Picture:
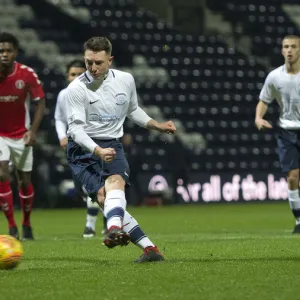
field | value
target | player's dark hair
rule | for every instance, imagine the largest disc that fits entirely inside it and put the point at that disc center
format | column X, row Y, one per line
column 76, row 63
column 97, row 44
column 6, row 37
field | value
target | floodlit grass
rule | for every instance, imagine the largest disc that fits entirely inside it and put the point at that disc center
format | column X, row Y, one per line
column 224, row 251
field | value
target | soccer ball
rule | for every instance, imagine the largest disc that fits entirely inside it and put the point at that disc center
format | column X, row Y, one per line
column 11, row 252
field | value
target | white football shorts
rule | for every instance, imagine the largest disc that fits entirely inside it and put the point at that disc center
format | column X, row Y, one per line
column 15, row 150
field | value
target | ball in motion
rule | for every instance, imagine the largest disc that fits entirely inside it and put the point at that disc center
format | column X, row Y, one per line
column 11, row 252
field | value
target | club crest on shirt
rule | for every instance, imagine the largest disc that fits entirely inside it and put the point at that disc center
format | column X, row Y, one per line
column 20, row 84
column 120, row 99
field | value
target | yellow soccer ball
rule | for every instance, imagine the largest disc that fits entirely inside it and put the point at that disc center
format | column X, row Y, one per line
column 11, row 252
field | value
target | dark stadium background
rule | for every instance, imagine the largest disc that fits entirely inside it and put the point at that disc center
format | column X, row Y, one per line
column 200, row 63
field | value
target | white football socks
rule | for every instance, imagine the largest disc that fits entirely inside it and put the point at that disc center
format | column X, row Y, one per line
column 114, row 208
column 137, row 235
column 92, row 213
column 294, row 201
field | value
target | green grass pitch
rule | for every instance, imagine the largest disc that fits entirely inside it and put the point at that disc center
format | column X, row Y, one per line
column 224, row 251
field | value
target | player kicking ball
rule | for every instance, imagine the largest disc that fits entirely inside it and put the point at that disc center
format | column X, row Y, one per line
column 18, row 85
column 99, row 100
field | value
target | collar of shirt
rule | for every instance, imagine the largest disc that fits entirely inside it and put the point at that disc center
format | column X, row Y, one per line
column 90, row 78
column 290, row 74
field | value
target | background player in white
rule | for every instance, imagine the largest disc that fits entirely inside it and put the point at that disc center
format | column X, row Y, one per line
column 18, row 85
column 283, row 84
column 74, row 69
column 98, row 103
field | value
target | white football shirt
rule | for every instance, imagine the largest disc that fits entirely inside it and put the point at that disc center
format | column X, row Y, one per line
column 285, row 88
column 97, row 109
column 60, row 115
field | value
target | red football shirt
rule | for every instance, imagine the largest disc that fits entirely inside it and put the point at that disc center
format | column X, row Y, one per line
column 15, row 93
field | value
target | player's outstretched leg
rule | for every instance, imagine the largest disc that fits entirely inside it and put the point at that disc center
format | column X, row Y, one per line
column 123, row 228
column 7, row 206
column 26, row 197
column 114, row 210
column 91, row 218
column 139, row 238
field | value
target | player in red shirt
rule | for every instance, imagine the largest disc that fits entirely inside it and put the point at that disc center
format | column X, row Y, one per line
column 18, row 85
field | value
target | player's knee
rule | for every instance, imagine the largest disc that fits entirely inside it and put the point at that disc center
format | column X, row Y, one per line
column 24, row 183
column 114, row 182
column 293, row 177
column 101, row 196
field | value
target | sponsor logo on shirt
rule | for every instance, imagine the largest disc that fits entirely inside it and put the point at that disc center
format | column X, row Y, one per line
column 102, row 118
column 8, row 98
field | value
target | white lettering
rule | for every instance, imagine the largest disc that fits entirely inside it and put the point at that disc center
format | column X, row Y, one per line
column 277, row 189
column 194, row 190
column 181, row 190
column 231, row 191
column 211, row 191
column 261, row 191
column 8, row 98
column 215, row 190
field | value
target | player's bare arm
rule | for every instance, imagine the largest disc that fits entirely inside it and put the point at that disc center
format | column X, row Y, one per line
column 140, row 117
column 63, row 143
column 167, row 127
column 30, row 135
column 261, row 110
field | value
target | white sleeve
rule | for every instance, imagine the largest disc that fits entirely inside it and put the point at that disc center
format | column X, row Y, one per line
column 139, row 117
column 61, row 124
column 76, row 118
column 61, row 129
column 135, row 113
column 267, row 93
column 133, row 104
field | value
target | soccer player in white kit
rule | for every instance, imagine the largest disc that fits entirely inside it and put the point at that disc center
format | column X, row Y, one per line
column 98, row 103
column 283, row 84
column 74, row 69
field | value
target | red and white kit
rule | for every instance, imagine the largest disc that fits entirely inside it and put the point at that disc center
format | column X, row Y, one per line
column 16, row 91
